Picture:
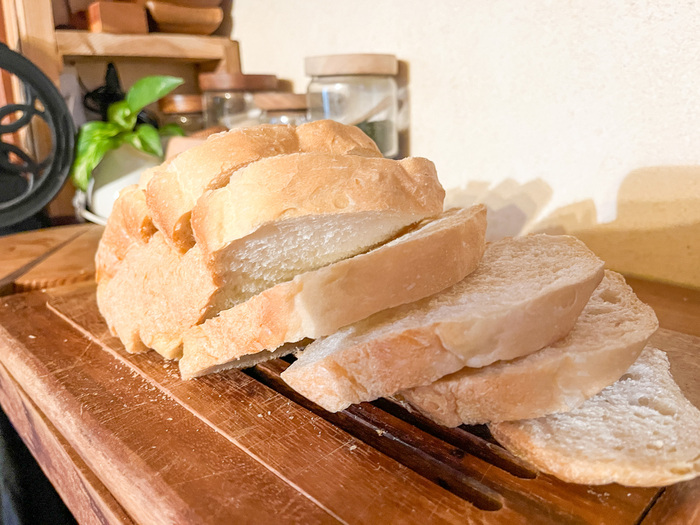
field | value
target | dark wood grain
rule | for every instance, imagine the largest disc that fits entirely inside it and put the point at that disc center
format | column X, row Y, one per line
column 160, row 462
column 73, row 262
column 22, row 248
column 313, row 455
column 539, row 498
column 88, row 499
column 19, row 252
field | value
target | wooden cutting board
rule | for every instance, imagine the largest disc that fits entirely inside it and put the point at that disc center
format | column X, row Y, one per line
column 48, row 258
column 126, row 441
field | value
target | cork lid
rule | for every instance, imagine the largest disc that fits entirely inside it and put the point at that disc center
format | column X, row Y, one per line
column 236, row 82
column 180, row 104
column 357, row 64
column 280, row 101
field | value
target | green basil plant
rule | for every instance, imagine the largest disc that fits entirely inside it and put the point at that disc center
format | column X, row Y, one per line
column 96, row 138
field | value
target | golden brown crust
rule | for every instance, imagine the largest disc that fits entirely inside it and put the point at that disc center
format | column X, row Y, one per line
column 311, row 184
column 174, row 189
column 129, row 224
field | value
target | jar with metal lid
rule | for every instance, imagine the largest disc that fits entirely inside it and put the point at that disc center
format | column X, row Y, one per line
column 183, row 110
column 282, row 108
column 359, row 90
column 228, row 98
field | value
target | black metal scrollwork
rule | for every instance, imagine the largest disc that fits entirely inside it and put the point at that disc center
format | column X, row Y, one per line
column 28, row 184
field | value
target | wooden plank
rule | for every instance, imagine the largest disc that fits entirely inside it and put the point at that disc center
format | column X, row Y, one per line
column 677, row 308
column 36, row 35
column 311, row 454
column 89, row 500
column 160, row 462
column 678, row 505
column 188, row 48
column 73, row 262
column 21, row 249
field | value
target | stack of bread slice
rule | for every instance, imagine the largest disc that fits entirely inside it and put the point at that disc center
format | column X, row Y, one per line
column 269, row 235
column 247, row 246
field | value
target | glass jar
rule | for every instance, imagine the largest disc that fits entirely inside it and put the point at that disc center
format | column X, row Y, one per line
column 358, row 90
column 282, row 108
column 228, row 98
column 183, row 110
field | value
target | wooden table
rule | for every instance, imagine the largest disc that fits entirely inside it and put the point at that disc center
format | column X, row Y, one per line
column 124, row 440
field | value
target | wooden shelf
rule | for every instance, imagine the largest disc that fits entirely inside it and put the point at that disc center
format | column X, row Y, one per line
column 187, row 48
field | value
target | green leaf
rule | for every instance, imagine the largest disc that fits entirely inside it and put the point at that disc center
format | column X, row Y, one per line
column 119, row 114
column 149, row 89
column 171, row 130
column 87, row 160
column 150, row 139
column 133, row 139
column 95, row 131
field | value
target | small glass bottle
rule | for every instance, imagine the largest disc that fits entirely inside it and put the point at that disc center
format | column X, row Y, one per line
column 282, row 108
column 358, row 90
column 228, row 98
column 183, row 110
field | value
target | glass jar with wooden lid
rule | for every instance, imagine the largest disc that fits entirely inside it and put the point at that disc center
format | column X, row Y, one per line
column 282, row 108
column 183, row 110
column 228, row 98
column 359, row 90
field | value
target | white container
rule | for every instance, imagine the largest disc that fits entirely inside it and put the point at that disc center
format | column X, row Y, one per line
column 358, row 90
column 118, row 169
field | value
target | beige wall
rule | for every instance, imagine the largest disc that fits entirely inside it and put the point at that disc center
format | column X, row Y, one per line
column 573, row 95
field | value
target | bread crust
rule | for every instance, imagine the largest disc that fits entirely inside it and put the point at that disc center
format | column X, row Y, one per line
column 174, row 188
column 554, row 379
column 286, row 187
column 129, row 224
column 316, row 303
column 385, row 354
column 155, row 296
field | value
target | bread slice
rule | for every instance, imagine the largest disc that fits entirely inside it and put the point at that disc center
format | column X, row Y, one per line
column 156, row 294
column 640, row 431
column 173, row 190
column 290, row 214
column 525, row 294
column 435, row 255
column 129, row 224
column 607, row 338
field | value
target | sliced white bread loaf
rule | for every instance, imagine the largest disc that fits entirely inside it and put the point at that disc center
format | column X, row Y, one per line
column 641, row 431
column 607, row 338
column 290, row 214
column 129, row 224
column 173, row 190
column 435, row 255
column 525, row 294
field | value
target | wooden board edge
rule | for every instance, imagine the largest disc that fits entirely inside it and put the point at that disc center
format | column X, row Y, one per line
column 80, row 489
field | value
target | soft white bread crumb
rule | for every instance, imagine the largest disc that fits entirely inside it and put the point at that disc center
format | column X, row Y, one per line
column 525, row 294
column 640, row 431
column 436, row 254
column 607, row 338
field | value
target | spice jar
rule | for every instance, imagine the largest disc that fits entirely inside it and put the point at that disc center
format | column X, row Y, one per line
column 183, row 110
column 228, row 98
column 358, row 90
column 282, row 108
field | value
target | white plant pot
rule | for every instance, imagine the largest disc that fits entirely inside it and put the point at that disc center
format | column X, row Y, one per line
column 118, row 169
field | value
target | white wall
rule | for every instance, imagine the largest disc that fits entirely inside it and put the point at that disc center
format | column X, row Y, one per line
column 577, row 93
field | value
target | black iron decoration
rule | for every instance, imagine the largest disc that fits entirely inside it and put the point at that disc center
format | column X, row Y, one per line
column 28, row 184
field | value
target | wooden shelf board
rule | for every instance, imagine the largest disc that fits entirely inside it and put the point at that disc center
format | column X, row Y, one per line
column 188, row 48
